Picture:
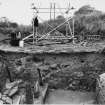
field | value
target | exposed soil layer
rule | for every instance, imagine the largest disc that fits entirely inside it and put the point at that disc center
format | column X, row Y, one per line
column 74, row 71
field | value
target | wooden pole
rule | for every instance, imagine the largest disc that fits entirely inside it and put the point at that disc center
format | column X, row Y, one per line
column 66, row 30
column 70, row 29
column 73, row 32
column 33, row 31
column 9, row 74
column 36, row 35
column 54, row 11
column 50, row 10
column 40, row 78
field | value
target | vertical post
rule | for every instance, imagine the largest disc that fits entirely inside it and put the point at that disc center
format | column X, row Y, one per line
column 54, row 11
column 73, row 26
column 73, row 32
column 50, row 10
column 36, row 35
column 66, row 30
column 9, row 74
column 33, row 32
column 69, row 24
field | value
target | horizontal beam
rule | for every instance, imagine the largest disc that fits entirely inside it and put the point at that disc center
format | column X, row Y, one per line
column 51, row 8
column 58, row 38
column 48, row 12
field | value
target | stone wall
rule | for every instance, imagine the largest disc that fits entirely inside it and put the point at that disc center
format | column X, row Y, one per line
column 74, row 71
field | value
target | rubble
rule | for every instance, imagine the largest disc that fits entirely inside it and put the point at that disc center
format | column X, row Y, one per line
column 78, row 74
column 6, row 100
column 13, row 91
column 1, row 102
column 102, row 80
column 11, row 88
column 44, row 67
column 16, row 99
column 53, row 66
column 19, row 99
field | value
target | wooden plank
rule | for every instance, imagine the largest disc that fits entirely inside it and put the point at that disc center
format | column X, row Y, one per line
column 41, row 98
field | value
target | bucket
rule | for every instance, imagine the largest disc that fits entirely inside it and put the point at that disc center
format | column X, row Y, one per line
column 21, row 43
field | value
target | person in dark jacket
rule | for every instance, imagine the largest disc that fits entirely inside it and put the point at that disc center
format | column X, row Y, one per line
column 36, row 22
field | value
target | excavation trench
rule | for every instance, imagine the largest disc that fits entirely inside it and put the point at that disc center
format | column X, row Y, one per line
column 72, row 75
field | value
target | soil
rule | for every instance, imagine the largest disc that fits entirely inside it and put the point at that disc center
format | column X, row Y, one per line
column 70, row 71
column 66, row 73
column 70, row 97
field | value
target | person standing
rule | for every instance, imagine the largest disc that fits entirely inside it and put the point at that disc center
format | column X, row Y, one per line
column 19, row 36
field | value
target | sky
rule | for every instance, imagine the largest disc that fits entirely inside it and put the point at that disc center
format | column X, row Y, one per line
column 20, row 10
